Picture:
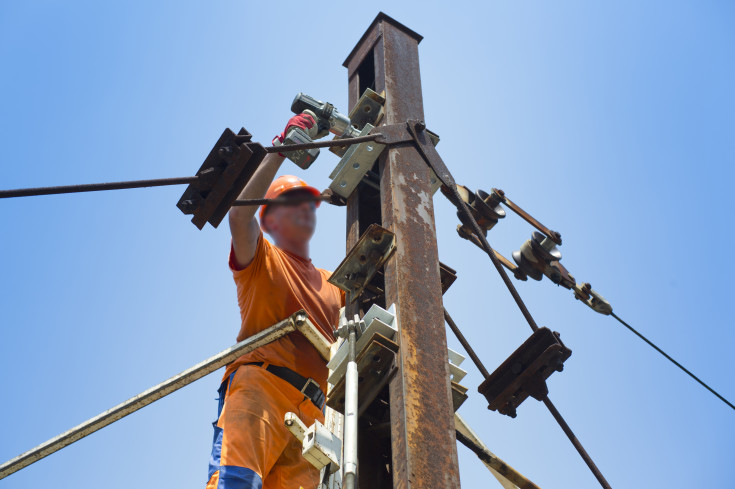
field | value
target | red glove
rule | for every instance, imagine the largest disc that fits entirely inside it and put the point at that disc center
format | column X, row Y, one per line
column 304, row 121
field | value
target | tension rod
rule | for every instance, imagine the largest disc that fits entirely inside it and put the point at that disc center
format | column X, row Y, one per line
column 161, row 182
column 552, row 409
column 157, row 182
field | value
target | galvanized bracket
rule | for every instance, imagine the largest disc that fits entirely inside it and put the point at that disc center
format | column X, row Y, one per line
column 223, row 175
column 525, row 372
column 368, row 110
column 364, row 260
column 355, row 163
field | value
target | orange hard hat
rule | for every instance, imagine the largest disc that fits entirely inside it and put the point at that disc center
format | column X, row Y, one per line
column 283, row 184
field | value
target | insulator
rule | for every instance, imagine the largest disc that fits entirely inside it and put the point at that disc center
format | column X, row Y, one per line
column 536, row 256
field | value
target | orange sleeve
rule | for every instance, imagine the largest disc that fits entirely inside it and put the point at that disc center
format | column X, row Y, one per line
column 260, row 252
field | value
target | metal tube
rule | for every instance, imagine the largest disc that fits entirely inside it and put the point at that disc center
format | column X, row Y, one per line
column 568, row 431
column 350, row 439
column 153, row 394
column 94, row 187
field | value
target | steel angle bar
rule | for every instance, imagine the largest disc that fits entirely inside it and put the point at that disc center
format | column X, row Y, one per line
column 154, row 393
column 553, row 235
column 508, row 477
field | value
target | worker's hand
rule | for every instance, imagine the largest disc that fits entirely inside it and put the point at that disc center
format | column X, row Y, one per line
column 304, row 121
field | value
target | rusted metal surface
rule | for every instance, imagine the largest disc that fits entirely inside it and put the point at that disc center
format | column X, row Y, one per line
column 553, row 235
column 524, row 373
column 223, row 175
column 423, row 453
column 431, row 157
column 151, row 395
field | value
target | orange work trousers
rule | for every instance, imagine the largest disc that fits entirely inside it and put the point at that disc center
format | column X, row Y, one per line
column 252, row 448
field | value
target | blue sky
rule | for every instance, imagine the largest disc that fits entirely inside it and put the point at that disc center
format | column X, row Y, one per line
column 611, row 123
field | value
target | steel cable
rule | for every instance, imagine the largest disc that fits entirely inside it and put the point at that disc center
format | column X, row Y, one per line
column 672, row 360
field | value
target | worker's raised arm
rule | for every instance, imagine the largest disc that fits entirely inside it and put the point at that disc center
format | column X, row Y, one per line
column 243, row 225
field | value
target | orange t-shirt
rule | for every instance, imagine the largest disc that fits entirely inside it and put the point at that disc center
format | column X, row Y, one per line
column 273, row 286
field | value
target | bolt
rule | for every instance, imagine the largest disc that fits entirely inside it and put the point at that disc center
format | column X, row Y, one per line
column 188, row 206
column 420, row 125
column 500, row 192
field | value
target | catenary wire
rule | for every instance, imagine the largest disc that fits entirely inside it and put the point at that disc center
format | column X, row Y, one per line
column 672, row 360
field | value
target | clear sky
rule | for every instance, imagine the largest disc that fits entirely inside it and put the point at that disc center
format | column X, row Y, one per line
column 612, row 123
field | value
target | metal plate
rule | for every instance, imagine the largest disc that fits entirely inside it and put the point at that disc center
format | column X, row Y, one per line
column 228, row 168
column 524, row 373
column 355, row 164
column 368, row 110
column 373, row 364
column 459, row 395
column 364, row 260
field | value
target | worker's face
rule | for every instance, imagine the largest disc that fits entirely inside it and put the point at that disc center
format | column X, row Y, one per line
column 292, row 222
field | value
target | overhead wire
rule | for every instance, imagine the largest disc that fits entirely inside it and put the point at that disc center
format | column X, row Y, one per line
column 672, row 360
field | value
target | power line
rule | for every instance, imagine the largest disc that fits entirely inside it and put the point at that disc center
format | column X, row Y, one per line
column 672, row 360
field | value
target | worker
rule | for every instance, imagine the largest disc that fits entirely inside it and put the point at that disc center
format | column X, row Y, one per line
column 252, row 449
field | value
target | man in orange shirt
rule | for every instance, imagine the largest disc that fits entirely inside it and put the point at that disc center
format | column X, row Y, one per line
column 252, row 449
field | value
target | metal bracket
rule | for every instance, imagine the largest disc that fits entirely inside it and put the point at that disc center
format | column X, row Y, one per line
column 447, row 276
column 594, row 300
column 525, row 372
column 355, row 163
column 367, row 110
column 224, row 173
column 320, row 447
column 364, row 260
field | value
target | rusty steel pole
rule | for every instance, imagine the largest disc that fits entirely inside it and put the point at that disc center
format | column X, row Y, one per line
column 422, row 435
